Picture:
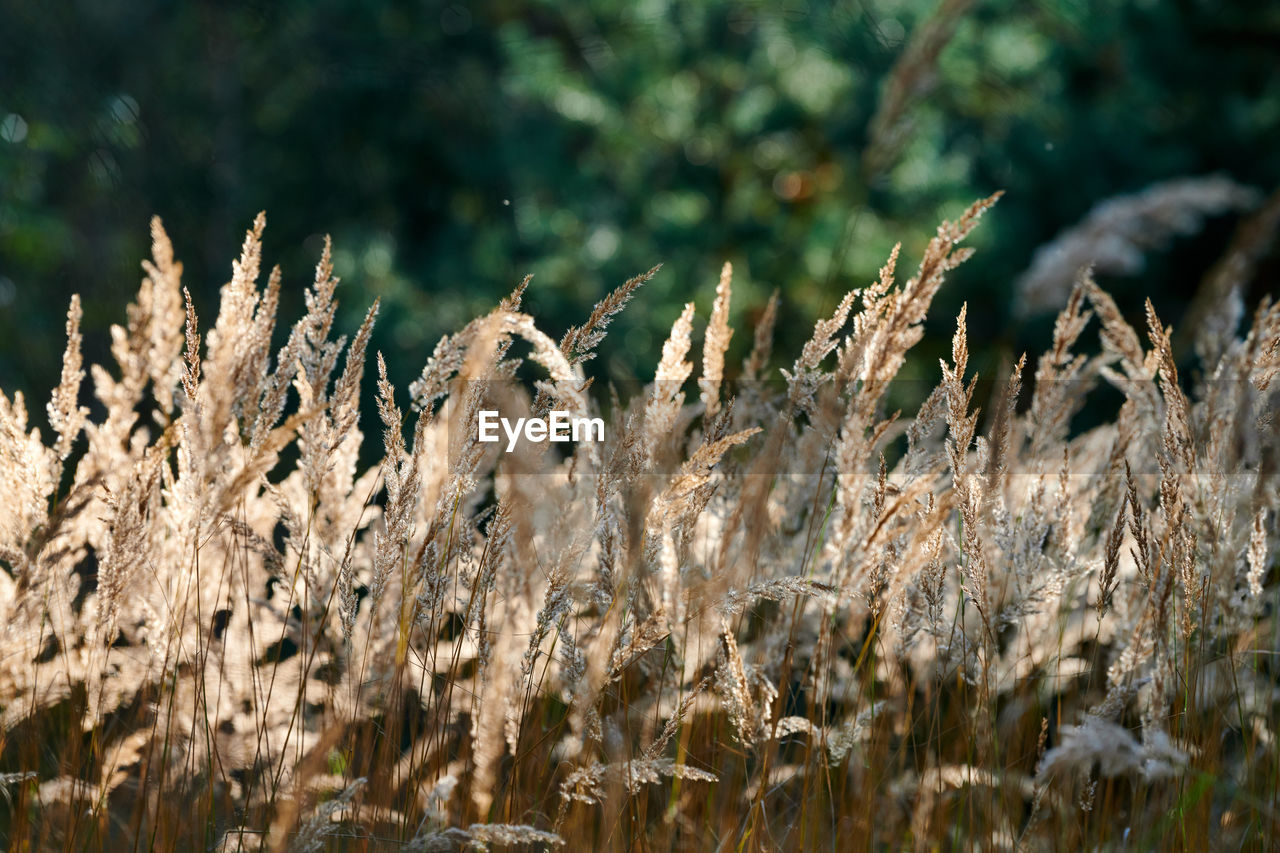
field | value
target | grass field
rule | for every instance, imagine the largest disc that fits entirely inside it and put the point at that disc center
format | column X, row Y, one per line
column 769, row 611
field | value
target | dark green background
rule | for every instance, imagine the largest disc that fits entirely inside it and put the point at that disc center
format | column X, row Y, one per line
column 451, row 148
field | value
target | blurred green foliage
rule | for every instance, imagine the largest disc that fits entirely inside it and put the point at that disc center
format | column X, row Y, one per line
column 452, row 147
